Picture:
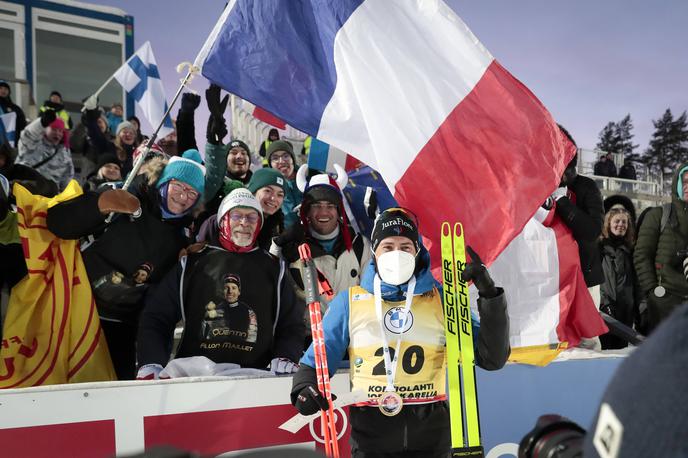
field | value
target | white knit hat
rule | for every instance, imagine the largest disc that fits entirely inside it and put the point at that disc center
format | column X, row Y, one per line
column 241, row 197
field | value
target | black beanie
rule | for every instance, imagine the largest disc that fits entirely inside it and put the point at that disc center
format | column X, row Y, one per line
column 321, row 192
column 395, row 222
column 236, row 143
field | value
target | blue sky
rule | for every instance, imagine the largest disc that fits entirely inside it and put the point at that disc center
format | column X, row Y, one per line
column 588, row 61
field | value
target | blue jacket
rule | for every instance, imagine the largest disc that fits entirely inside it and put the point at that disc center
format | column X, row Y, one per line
column 490, row 352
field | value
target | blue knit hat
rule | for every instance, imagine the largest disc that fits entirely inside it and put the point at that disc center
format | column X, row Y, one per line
column 188, row 169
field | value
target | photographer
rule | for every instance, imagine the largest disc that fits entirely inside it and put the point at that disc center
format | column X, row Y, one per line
column 661, row 251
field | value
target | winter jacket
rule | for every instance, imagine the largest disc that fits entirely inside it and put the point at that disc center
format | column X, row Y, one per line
column 628, row 172
column 266, row 323
column 582, row 212
column 8, row 106
column 659, row 255
column 113, row 121
column 51, row 161
column 292, row 198
column 421, row 427
column 117, row 252
column 97, row 143
column 620, row 293
column 342, row 268
column 605, row 168
column 26, row 176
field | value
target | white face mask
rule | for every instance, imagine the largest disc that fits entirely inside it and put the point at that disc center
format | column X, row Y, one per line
column 396, row 267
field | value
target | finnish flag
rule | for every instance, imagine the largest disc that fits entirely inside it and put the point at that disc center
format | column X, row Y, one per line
column 139, row 76
column 8, row 123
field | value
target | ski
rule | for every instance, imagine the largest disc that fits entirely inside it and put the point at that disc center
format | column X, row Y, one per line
column 462, row 389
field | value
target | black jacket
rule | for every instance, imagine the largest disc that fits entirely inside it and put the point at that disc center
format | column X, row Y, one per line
column 620, row 292
column 8, row 106
column 164, row 309
column 122, row 248
column 584, row 215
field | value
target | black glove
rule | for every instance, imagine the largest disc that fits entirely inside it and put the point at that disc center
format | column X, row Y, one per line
column 310, row 400
column 217, row 128
column 212, row 97
column 216, row 131
column 47, row 117
column 190, row 102
column 476, row 271
column 289, row 241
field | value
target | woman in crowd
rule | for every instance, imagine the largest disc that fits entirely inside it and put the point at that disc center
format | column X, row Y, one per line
column 620, row 295
column 125, row 144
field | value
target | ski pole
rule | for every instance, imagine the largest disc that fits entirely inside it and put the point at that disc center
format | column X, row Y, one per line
column 327, row 418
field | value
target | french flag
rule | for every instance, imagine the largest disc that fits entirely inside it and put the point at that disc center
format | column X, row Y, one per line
column 407, row 89
column 550, row 308
column 323, row 157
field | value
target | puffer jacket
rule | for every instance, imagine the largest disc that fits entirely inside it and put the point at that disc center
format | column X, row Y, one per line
column 51, row 161
column 659, row 255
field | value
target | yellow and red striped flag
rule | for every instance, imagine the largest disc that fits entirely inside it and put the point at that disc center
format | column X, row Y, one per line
column 52, row 332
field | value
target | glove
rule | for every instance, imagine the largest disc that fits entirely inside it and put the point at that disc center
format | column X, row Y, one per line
column 47, row 117
column 216, row 131
column 559, row 193
column 190, row 102
column 193, row 248
column 370, row 202
column 309, row 401
column 212, row 97
column 119, row 201
column 4, row 197
column 149, row 372
column 477, row 272
column 287, row 243
column 281, row 366
column 91, row 103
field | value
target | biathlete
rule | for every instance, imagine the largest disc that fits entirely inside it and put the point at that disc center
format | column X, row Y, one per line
column 392, row 325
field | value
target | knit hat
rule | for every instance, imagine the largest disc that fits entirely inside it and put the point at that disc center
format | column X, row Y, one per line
column 188, row 169
column 395, row 222
column 58, row 123
column 236, row 143
column 280, row 145
column 242, row 198
column 265, row 177
column 55, row 93
column 323, row 187
column 232, row 278
column 125, row 125
column 644, row 411
column 4, row 83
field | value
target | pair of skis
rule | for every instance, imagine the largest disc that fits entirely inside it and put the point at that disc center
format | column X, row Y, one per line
column 463, row 393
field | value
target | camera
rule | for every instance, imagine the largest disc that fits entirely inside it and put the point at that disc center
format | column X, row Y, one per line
column 553, row 436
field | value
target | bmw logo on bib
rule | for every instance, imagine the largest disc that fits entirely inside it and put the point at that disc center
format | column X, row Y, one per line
column 396, row 322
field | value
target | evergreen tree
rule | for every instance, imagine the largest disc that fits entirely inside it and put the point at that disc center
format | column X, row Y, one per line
column 617, row 138
column 625, row 138
column 609, row 139
column 669, row 144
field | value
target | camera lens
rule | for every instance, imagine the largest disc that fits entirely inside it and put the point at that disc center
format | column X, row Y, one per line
column 554, row 436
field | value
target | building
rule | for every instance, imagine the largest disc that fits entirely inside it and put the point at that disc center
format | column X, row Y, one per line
column 63, row 45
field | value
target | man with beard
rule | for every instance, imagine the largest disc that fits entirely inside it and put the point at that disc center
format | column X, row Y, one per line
column 188, row 290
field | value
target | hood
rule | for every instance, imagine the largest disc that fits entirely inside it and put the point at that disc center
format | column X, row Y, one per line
column 152, row 169
column 627, row 203
column 677, row 186
column 424, row 279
